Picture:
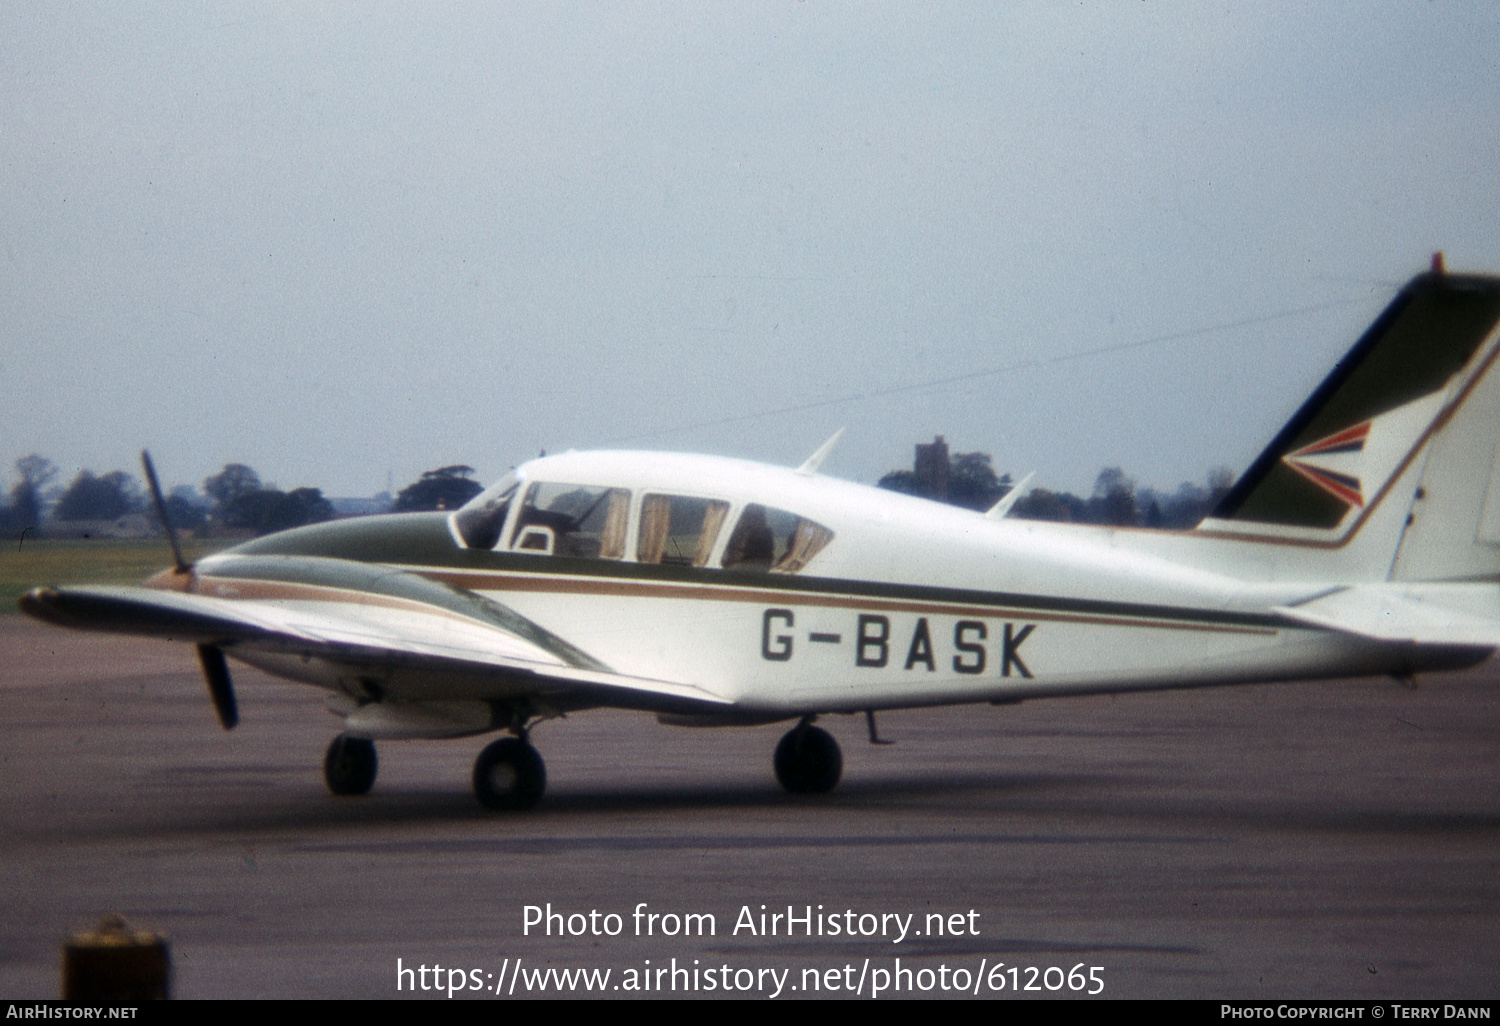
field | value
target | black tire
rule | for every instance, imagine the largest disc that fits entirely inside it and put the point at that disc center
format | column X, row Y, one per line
column 350, row 765
column 808, row 761
column 509, row 776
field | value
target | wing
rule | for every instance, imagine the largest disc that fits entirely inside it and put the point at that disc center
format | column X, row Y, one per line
column 424, row 641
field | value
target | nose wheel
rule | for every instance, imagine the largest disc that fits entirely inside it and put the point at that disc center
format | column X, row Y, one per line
column 808, row 760
column 349, row 767
column 509, row 775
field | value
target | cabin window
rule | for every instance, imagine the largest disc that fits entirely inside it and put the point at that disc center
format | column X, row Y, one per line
column 773, row 539
column 573, row 520
column 481, row 519
column 679, row 530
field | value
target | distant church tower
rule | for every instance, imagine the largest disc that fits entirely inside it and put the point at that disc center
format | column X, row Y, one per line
column 931, row 467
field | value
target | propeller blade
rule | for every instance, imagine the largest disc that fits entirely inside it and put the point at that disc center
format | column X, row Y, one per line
column 216, row 672
column 161, row 514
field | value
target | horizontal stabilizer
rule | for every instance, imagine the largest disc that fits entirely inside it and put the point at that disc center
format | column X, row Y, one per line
column 1432, row 615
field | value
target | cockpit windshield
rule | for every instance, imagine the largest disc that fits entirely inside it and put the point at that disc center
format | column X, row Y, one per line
column 549, row 518
column 480, row 520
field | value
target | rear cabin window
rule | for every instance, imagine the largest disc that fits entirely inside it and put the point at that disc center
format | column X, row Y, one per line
column 773, row 539
column 583, row 521
column 677, row 529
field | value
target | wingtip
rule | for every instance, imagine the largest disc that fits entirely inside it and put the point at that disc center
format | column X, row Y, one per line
column 40, row 604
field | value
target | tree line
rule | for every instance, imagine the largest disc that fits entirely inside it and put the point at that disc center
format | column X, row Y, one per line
column 235, row 500
column 969, row 480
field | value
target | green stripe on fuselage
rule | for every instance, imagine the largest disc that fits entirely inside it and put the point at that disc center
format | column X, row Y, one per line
column 423, row 543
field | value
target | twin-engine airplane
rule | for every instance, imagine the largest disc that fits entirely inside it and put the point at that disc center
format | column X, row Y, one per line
column 714, row 592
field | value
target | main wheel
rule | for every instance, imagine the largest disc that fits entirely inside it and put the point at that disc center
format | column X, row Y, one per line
column 349, row 767
column 808, row 760
column 509, row 775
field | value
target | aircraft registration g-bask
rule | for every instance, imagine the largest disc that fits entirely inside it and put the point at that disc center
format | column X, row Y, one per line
column 715, row 592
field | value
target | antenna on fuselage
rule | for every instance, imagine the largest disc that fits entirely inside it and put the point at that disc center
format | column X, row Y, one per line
column 999, row 509
column 812, row 463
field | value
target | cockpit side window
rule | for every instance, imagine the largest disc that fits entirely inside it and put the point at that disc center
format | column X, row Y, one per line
column 583, row 521
column 480, row 521
column 773, row 539
column 680, row 530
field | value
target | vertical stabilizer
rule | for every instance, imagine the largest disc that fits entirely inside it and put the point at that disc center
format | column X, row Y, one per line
column 1395, row 450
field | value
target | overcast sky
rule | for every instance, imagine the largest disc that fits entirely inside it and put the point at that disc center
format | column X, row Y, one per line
column 337, row 242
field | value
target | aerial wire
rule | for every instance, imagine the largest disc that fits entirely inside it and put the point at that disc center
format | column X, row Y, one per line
column 1026, row 364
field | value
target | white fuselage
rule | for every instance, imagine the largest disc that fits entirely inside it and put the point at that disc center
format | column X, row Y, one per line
column 911, row 603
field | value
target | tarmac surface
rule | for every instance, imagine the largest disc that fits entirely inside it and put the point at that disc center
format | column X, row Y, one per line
column 1311, row 840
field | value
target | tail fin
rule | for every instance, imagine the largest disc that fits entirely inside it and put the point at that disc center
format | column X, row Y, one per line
column 1392, row 464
